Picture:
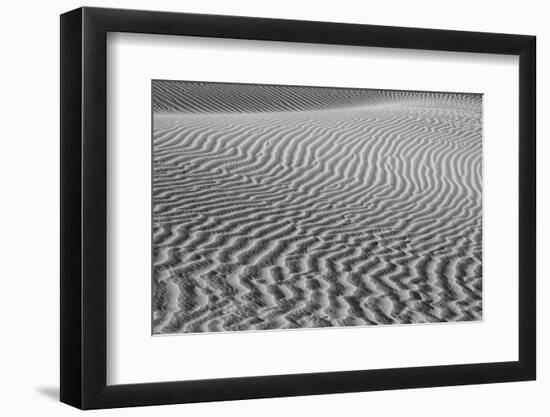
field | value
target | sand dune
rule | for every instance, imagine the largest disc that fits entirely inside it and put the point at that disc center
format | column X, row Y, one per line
column 280, row 207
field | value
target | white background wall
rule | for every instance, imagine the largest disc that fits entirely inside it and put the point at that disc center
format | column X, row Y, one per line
column 29, row 177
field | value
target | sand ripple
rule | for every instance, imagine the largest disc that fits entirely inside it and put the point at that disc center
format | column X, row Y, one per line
column 301, row 207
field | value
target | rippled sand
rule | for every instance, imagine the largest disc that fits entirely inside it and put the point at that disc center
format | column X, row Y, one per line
column 299, row 207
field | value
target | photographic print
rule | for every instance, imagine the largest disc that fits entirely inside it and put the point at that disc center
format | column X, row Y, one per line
column 389, row 210
column 281, row 207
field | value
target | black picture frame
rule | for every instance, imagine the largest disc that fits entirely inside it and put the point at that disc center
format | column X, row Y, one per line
column 84, row 207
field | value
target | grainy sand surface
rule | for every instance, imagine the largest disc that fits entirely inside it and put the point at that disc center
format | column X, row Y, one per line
column 299, row 207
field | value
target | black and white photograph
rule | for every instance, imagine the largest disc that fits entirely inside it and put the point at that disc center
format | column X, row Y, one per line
column 257, row 204
column 278, row 207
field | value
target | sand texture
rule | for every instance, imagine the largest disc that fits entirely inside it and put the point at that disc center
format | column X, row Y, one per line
column 280, row 207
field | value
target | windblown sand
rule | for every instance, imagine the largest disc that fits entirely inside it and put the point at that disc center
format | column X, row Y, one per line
column 279, row 207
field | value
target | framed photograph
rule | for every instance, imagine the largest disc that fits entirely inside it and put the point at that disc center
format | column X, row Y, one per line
column 258, row 208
